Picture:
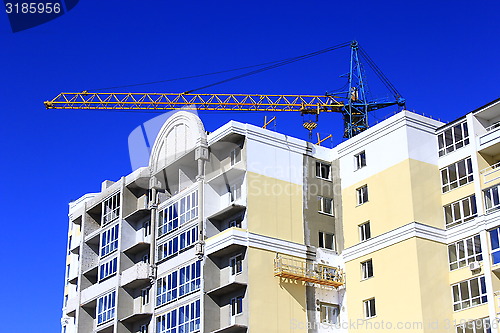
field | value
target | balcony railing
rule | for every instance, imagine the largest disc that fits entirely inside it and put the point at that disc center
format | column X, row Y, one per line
column 496, row 296
column 493, row 127
column 490, row 173
column 300, row 269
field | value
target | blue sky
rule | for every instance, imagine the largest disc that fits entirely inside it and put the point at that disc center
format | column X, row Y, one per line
column 443, row 56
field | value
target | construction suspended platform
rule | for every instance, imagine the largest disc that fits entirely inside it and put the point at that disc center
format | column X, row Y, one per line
column 301, row 270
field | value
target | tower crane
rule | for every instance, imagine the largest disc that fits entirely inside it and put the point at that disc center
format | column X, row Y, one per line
column 353, row 103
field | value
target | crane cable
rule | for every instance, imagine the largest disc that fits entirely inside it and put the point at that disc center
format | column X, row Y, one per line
column 269, row 65
column 187, row 77
column 379, row 73
column 278, row 64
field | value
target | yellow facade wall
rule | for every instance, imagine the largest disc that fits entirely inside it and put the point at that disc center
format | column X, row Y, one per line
column 283, row 298
column 275, row 208
column 407, row 287
column 406, row 192
column 435, row 290
column 425, row 186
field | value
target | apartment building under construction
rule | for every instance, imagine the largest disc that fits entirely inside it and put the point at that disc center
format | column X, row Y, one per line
column 248, row 230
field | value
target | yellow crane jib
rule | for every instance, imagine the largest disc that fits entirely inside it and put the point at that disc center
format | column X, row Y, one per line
column 309, row 104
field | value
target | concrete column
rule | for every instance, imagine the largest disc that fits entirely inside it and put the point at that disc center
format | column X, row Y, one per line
column 489, row 281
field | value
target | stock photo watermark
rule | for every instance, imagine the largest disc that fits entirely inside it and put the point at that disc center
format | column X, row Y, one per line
column 363, row 324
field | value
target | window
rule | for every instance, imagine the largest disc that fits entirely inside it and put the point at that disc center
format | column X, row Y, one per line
column 460, row 211
column 109, row 240
column 491, row 199
column 469, row 293
column 145, row 295
column 464, row 252
column 453, row 138
column 236, row 305
column 236, row 264
column 326, row 205
column 323, row 170
column 235, row 156
column 146, row 226
column 364, row 231
column 111, row 209
column 108, row 268
column 367, row 269
column 326, row 240
column 171, row 284
column 178, row 283
column 168, row 219
column 144, row 329
column 178, row 213
column 481, row 325
column 188, row 238
column 167, row 323
column 106, row 308
column 360, row 160
column 185, row 319
column 369, row 306
column 168, row 249
column 188, row 208
column 189, row 278
column 145, row 258
column 166, row 289
column 362, row 194
column 189, row 317
column 235, row 192
column 329, row 313
column 456, row 174
column 495, row 245
column 178, row 243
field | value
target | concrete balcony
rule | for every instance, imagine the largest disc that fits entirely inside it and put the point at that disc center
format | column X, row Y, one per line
column 132, row 307
column 230, row 240
column 133, row 239
column 233, row 328
column 136, row 209
column 89, row 255
column 73, row 273
column 135, row 276
column 232, row 324
column 490, row 175
column 218, row 313
column 227, row 173
column 76, row 238
column 89, row 294
column 221, row 220
column 488, row 128
column 239, row 283
column 489, row 142
column 71, row 305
